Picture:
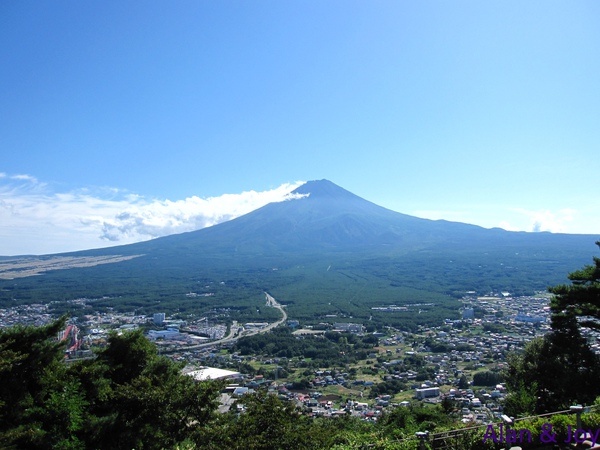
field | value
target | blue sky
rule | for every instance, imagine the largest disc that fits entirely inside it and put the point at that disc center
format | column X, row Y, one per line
column 121, row 121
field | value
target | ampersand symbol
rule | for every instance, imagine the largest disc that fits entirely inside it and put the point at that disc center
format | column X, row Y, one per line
column 547, row 435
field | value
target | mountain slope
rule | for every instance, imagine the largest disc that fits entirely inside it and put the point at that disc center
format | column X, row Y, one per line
column 329, row 218
column 327, row 252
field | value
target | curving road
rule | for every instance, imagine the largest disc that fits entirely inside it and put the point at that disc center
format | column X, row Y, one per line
column 273, row 303
column 234, row 334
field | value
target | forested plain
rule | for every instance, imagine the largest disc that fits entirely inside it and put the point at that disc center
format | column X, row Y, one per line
column 347, row 286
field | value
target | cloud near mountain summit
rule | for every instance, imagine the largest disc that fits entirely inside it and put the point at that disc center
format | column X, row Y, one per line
column 162, row 218
column 34, row 219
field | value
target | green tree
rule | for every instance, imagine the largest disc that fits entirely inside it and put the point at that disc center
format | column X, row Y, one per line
column 63, row 416
column 522, row 400
column 564, row 352
column 463, row 383
column 574, row 369
column 139, row 399
column 33, row 385
column 448, row 405
column 269, row 423
column 128, row 397
column 580, row 299
column 126, row 356
column 486, row 378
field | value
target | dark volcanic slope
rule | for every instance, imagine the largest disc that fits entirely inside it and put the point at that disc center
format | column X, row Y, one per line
column 331, row 219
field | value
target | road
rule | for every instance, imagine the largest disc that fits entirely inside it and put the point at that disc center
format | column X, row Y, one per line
column 234, row 334
column 273, row 303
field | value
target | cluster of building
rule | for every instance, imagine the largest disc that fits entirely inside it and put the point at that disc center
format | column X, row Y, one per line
column 395, row 308
column 513, row 322
column 91, row 330
column 35, row 314
column 329, row 378
column 71, row 336
column 520, row 320
column 311, row 403
column 505, row 308
column 343, row 327
column 478, row 407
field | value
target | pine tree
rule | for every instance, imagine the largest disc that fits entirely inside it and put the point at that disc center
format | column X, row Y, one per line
column 34, row 385
column 564, row 353
column 578, row 304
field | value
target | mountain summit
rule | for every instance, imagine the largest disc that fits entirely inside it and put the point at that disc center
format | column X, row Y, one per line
column 321, row 217
column 324, row 189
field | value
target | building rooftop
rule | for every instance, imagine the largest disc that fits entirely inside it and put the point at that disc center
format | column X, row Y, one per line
column 211, row 373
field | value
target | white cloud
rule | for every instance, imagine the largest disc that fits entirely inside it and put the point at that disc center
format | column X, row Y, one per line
column 583, row 220
column 161, row 218
column 24, row 178
column 546, row 220
column 34, row 220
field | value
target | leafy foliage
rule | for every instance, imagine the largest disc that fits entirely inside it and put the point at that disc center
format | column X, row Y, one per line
column 581, row 299
column 327, row 351
column 128, row 397
column 564, row 352
column 487, row 378
column 391, row 387
column 34, row 384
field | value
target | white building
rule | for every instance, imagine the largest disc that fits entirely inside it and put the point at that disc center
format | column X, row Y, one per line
column 468, row 313
column 348, row 327
column 211, row 373
column 164, row 334
column 427, row 393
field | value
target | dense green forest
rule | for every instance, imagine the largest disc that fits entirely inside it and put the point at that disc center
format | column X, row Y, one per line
column 308, row 294
column 327, row 350
column 312, row 286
